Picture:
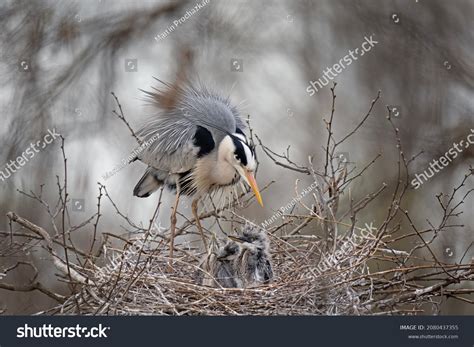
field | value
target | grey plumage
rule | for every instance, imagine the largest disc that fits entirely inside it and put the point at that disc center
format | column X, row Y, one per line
column 175, row 152
column 218, row 269
column 176, row 126
column 243, row 262
column 253, row 265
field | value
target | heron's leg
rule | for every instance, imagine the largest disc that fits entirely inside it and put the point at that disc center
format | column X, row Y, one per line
column 194, row 206
column 173, row 225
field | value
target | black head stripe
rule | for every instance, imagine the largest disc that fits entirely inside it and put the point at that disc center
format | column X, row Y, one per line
column 239, row 150
column 239, row 131
column 203, row 139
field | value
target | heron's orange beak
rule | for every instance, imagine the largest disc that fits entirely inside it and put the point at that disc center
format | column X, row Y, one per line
column 253, row 184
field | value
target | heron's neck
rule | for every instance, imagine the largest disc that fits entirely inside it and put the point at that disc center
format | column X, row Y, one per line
column 223, row 172
column 215, row 170
column 211, row 173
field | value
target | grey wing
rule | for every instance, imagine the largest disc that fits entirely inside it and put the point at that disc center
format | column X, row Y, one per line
column 172, row 138
column 168, row 144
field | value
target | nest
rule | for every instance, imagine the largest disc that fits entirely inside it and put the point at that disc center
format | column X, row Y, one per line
column 140, row 280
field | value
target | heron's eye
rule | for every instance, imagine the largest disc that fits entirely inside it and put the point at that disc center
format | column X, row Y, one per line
column 236, row 157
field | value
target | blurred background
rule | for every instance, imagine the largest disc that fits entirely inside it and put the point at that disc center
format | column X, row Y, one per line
column 60, row 61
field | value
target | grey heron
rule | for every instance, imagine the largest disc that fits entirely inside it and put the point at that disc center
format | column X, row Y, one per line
column 243, row 262
column 201, row 147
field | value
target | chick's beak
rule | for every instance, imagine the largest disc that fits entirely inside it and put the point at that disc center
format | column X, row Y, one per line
column 249, row 177
column 236, row 239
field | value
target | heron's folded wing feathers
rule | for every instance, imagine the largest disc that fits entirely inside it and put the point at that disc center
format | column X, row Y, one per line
column 172, row 149
column 178, row 133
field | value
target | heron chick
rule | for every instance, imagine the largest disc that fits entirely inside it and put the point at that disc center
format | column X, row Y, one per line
column 245, row 261
column 218, row 269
